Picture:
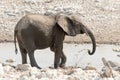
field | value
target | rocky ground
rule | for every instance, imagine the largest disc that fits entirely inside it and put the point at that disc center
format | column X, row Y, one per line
column 110, row 71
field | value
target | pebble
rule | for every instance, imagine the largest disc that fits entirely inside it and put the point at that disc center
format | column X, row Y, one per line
column 10, row 60
column 116, row 50
column 7, row 68
column 23, row 67
column 90, row 67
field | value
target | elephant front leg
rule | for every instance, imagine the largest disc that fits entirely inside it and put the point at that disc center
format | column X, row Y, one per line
column 57, row 60
column 58, row 53
column 60, row 58
column 63, row 60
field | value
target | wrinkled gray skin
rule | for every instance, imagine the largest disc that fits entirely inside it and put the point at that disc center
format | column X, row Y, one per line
column 40, row 31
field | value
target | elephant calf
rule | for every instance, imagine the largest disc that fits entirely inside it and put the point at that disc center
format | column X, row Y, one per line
column 40, row 31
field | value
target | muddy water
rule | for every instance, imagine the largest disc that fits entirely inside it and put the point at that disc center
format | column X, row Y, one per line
column 76, row 55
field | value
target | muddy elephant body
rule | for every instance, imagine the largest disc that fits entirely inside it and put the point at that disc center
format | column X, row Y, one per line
column 40, row 31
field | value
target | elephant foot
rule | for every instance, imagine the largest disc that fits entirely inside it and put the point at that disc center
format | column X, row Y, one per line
column 56, row 66
column 37, row 67
column 51, row 67
column 62, row 65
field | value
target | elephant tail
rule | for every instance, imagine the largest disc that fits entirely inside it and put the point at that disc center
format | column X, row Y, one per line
column 15, row 32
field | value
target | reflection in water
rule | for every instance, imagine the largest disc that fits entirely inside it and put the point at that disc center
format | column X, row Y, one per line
column 76, row 55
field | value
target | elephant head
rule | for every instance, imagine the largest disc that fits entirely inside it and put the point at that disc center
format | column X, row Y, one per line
column 72, row 27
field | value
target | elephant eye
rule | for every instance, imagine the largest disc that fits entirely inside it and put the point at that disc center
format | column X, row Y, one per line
column 81, row 32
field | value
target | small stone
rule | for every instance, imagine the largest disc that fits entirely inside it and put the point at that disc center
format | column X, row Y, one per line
column 116, row 50
column 115, row 73
column 10, row 60
column 48, row 13
column 67, row 9
column 118, row 55
column 24, row 78
column 74, row 78
column 7, row 68
column 48, row 1
column 35, row 72
column 69, row 72
column 23, row 67
column 114, row 64
column 107, row 72
column 117, row 69
column 51, row 73
column 39, row 76
column 90, row 68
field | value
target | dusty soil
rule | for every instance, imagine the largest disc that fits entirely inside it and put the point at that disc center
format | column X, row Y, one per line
column 101, row 16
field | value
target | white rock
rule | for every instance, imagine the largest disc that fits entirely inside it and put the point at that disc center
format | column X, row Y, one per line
column 39, row 76
column 24, row 78
column 79, row 71
column 92, row 73
column 35, row 72
column 116, row 73
column 10, row 60
column 33, row 77
column 7, row 68
column 23, row 67
column 90, row 67
column 1, row 69
column 44, row 79
column 50, row 73
column 114, row 64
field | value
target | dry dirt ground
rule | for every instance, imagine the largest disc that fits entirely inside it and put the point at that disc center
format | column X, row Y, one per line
column 101, row 16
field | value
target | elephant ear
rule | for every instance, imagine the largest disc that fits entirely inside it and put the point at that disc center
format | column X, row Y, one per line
column 67, row 25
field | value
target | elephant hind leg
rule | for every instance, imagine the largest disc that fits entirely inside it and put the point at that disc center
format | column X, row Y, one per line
column 32, row 59
column 30, row 46
column 23, row 52
column 24, row 55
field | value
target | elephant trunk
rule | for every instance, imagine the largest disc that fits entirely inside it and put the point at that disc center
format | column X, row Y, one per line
column 90, row 34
